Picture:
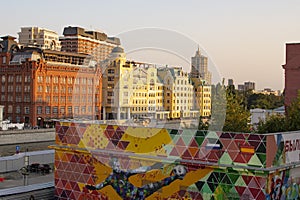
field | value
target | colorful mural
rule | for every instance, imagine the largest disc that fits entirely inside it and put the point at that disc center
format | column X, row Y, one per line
column 96, row 161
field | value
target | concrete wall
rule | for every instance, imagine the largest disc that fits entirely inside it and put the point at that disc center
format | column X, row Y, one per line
column 25, row 136
column 16, row 162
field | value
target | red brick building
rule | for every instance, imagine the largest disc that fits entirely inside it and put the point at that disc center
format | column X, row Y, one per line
column 292, row 72
column 38, row 86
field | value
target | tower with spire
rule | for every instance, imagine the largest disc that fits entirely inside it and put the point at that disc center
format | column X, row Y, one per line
column 199, row 68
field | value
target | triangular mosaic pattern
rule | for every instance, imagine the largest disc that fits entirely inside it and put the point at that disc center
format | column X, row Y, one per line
column 84, row 152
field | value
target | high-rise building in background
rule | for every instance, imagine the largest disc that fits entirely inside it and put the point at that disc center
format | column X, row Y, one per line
column 230, row 82
column 292, row 73
column 39, row 37
column 96, row 43
column 249, row 86
column 199, row 68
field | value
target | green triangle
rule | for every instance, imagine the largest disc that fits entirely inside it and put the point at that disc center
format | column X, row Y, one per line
column 255, row 161
column 233, row 176
column 205, row 189
column 199, row 140
column 262, row 157
column 187, row 139
column 240, row 182
column 225, row 159
column 212, row 134
column 207, row 196
column 175, row 138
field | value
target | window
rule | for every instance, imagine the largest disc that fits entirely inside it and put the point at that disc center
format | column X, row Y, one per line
column 18, row 78
column 48, row 79
column 26, row 110
column 62, row 110
column 69, row 109
column 3, row 79
column 69, row 99
column 63, row 80
column 109, row 93
column 18, row 109
column 111, row 71
column 40, row 88
column 70, row 89
column 40, row 79
column 39, row 110
column 3, row 59
column 10, row 78
column 27, row 79
column 55, row 110
column 55, row 79
column 70, row 80
column 111, row 78
column 48, row 110
column 76, row 109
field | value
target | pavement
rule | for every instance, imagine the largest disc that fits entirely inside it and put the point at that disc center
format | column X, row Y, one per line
column 15, row 179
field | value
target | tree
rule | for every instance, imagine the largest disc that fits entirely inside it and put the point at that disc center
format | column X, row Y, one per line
column 237, row 116
column 218, row 107
column 293, row 115
column 279, row 123
column 273, row 124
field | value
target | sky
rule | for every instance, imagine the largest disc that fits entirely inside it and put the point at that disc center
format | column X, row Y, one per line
column 244, row 40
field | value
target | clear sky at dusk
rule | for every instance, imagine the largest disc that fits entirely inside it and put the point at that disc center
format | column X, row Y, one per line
column 245, row 39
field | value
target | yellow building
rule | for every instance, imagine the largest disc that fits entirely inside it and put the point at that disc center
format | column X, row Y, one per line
column 202, row 97
column 117, row 84
column 178, row 92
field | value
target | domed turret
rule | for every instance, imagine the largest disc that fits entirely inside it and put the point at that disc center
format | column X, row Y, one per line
column 118, row 50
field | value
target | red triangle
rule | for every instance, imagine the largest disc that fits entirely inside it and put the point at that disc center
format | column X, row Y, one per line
column 239, row 158
column 260, row 195
column 240, row 190
column 180, row 149
column 110, row 146
column 247, row 179
column 180, row 142
column 186, row 155
column 246, row 156
column 193, row 143
column 254, row 192
column 174, row 152
column 213, row 157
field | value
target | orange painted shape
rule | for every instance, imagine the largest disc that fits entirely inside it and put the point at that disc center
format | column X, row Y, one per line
column 247, row 149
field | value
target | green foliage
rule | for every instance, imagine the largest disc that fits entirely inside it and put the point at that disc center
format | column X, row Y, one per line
column 293, row 115
column 278, row 123
column 273, row 124
column 203, row 124
column 218, row 110
column 264, row 101
column 237, row 116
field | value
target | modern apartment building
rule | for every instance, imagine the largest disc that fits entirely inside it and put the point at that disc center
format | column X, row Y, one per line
column 95, row 43
column 39, row 37
column 199, row 68
column 39, row 86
